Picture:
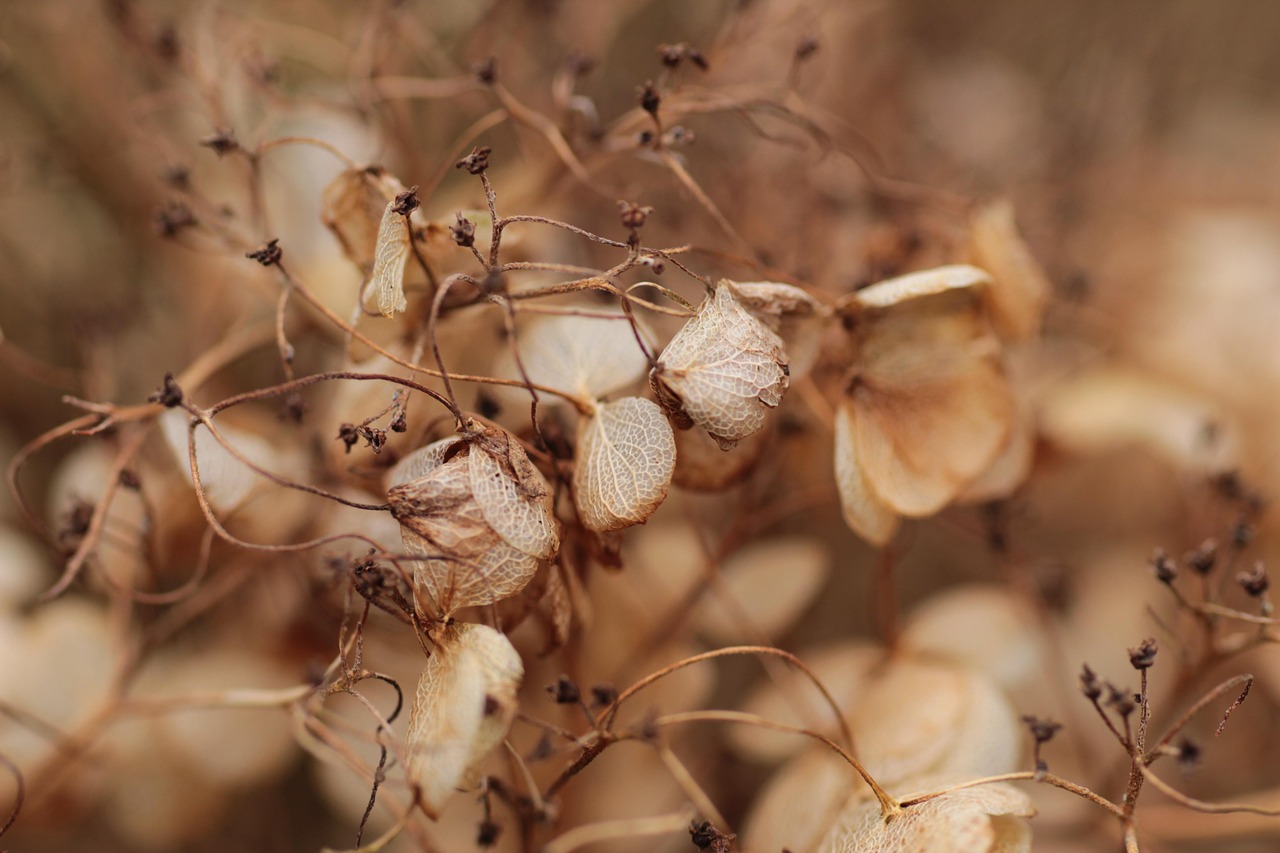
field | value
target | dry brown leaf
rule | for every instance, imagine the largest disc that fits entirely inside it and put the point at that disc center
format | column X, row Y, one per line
column 625, row 458
column 1020, row 290
column 795, row 316
column 465, row 702
column 722, row 371
column 765, row 587
column 982, row 819
column 386, row 282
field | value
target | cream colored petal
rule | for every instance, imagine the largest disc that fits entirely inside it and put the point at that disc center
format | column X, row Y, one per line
column 512, row 494
column 764, row 588
column 914, row 285
column 865, row 513
column 465, row 702
column 1020, row 289
column 589, row 356
column 386, row 282
column 800, row 802
column 795, row 316
column 625, row 458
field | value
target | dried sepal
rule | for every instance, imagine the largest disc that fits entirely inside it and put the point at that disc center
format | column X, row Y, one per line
column 795, row 316
column 1020, row 289
column 465, row 702
column 981, row 819
column 625, row 458
column 865, row 513
column 477, row 514
column 929, row 407
column 353, row 206
column 702, row 466
column 722, row 371
column 391, row 252
column 592, row 357
column 905, row 288
column 763, row 589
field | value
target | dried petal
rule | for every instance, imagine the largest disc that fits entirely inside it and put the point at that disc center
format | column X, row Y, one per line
column 1020, row 289
column 800, row 802
column 386, row 282
column 764, row 588
column 865, row 514
column 795, row 316
column 513, row 496
column 226, row 480
column 702, row 466
column 905, row 288
column 352, row 207
column 626, row 455
column 982, row 819
column 592, row 357
column 722, row 371
column 465, row 703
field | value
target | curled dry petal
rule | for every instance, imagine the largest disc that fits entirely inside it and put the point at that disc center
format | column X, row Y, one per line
column 795, row 316
column 865, row 513
column 722, row 371
column 477, row 513
column 386, row 283
column 905, row 288
column 1020, row 289
column 625, row 459
column 982, row 819
column 352, row 207
column 465, row 702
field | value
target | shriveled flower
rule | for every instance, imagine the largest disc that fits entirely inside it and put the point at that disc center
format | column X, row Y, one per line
column 724, row 370
column 465, row 702
column 477, row 513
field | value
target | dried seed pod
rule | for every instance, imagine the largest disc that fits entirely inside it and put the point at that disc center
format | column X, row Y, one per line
column 478, row 514
column 1020, row 290
column 722, row 371
column 982, row 819
column 929, row 407
column 386, row 282
column 465, row 702
column 626, row 455
column 795, row 316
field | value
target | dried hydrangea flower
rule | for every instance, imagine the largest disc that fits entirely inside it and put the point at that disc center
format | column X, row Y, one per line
column 724, row 370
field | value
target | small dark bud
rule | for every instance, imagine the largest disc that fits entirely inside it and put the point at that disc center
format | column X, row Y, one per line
column 399, row 423
column 222, row 141
column 1241, row 535
column 1121, row 700
column 564, row 691
column 807, row 47
column 406, row 202
column 645, row 138
column 294, row 408
column 1189, row 755
column 348, row 435
column 374, row 438
column 1041, row 730
column 129, row 479
column 633, row 215
column 268, row 255
column 649, row 98
column 1164, row 566
column 655, row 264
column 477, row 162
column 1203, row 558
column 1254, row 582
column 671, row 55
column 169, row 395
column 172, row 218
column 167, row 42
column 706, row 837
column 488, row 833
column 1089, row 683
column 580, row 64
column 1144, row 655
column 486, row 72
column 697, row 58
column 487, row 406
column 491, row 706
column 178, row 177
column 463, row 231
column 603, row 695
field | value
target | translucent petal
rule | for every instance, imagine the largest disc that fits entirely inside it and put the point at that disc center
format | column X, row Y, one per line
column 588, row 356
column 1019, row 290
column 625, row 458
column 765, row 587
column 465, row 702
column 386, row 282
column 865, row 514
column 513, row 496
column 914, row 285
